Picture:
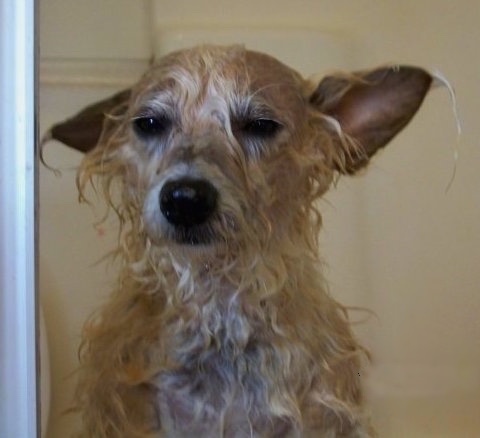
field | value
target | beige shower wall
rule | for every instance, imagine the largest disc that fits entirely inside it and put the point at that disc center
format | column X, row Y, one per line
column 394, row 239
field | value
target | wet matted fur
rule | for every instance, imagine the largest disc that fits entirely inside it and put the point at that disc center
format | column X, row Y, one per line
column 220, row 324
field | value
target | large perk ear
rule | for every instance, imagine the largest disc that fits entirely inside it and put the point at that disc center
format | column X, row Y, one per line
column 82, row 131
column 371, row 107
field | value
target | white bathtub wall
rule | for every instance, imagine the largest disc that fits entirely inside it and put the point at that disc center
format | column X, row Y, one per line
column 394, row 240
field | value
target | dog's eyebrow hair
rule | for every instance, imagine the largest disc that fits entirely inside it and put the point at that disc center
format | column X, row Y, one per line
column 159, row 102
column 252, row 107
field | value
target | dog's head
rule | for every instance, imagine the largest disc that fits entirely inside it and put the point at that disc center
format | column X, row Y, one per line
column 222, row 145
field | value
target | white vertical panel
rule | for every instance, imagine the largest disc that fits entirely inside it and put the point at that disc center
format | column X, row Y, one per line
column 17, row 221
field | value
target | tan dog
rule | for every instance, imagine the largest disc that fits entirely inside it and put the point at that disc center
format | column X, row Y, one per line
column 220, row 325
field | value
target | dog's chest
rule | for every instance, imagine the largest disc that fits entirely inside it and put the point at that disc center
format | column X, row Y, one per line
column 221, row 380
column 204, row 407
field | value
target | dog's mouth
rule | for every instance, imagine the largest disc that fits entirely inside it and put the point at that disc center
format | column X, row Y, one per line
column 194, row 236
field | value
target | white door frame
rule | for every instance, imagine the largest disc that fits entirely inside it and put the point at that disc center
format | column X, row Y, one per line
column 18, row 357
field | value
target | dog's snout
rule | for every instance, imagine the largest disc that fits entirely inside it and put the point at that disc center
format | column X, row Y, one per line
column 188, row 202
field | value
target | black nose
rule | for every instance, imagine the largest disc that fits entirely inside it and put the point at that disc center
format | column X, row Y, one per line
column 188, row 202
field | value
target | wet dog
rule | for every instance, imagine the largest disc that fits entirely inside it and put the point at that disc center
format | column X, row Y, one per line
column 220, row 325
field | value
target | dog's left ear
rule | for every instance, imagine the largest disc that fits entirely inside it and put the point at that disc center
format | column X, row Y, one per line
column 371, row 107
column 82, row 131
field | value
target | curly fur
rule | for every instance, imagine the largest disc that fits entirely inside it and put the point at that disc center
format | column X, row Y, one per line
column 239, row 337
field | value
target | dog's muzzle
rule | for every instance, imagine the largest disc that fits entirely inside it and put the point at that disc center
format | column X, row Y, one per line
column 188, row 202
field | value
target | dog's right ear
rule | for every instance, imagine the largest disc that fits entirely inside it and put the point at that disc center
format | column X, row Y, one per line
column 82, row 131
column 369, row 109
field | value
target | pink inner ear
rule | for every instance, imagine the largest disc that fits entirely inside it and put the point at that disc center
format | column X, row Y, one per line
column 378, row 106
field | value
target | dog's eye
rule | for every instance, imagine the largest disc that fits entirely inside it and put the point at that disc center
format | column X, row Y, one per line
column 261, row 128
column 151, row 126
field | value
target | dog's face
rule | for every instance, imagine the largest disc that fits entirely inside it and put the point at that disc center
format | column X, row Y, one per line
column 211, row 139
column 223, row 147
